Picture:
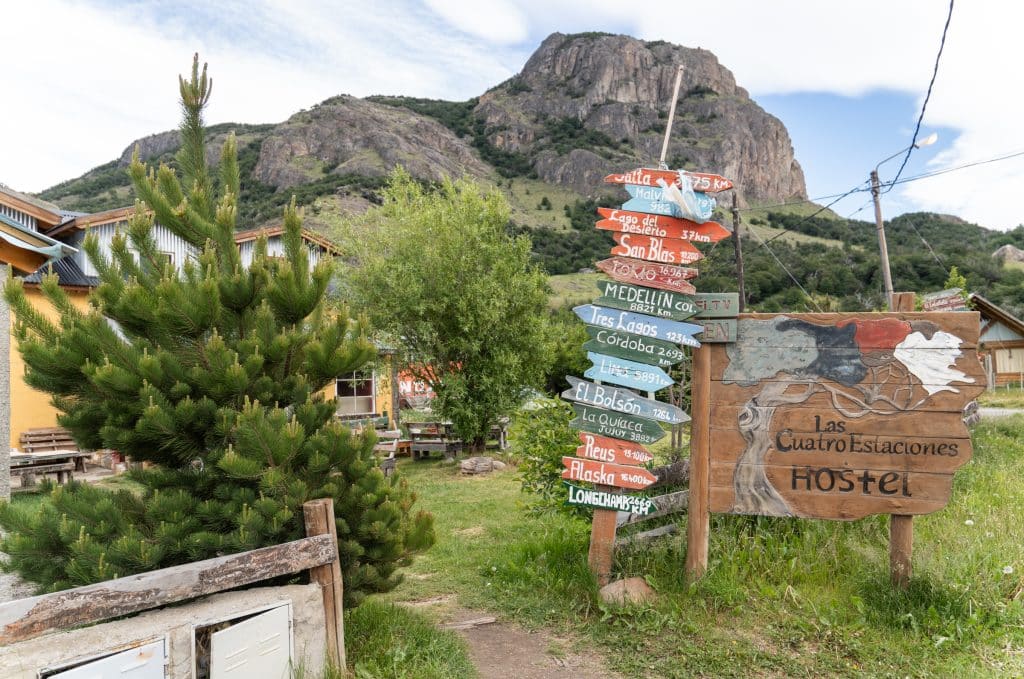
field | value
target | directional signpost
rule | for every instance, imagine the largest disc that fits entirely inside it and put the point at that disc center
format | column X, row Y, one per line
column 637, row 329
column 633, row 347
column 661, row 250
column 626, row 373
column 649, row 274
column 623, row 400
column 646, row 300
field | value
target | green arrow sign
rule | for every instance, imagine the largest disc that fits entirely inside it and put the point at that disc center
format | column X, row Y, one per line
column 634, row 347
column 717, row 304
column 616, row 425
column 599, row 499
column 652, row 301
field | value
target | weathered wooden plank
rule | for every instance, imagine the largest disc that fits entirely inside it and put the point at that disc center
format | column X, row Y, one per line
column 830, row 493
column 672, row 503
column 606, row 473
column 319, row 519
column 616, row 425
column 660, row 226
column 699, row 181
column 812, row 417
column 28, row 618
column 698, row 519
column 647, row 536
column 853, row 448
column 605, row 449
column 639, row 324
column 717, row 304
column 633, row 347
column 649, row 274
column 623, row 401
column 644, row 300
column 718, row 330
column 661, row 250
column 602, row 499
column 626, row 373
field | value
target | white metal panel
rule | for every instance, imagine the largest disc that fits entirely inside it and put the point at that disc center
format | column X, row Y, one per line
column 257, row 648
column 143, row 662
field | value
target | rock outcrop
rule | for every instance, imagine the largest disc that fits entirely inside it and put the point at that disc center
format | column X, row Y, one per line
column 1009, row 253
column 354, row 136
column 621, row 87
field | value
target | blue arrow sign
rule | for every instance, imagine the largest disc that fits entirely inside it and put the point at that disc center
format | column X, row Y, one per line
column 622, row 400
column 648, row 326
column 652, row 200
column 627, row 373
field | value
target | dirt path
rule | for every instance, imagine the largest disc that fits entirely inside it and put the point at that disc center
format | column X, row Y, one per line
column 501, row 650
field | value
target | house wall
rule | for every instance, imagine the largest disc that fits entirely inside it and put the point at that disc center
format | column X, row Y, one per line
column 383, row 385
column 275, row 248
column 166, row 241
column 31, row 409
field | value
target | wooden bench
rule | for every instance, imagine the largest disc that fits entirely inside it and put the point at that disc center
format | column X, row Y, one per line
column 52, row 440
column 390, row 443
column 63, row 464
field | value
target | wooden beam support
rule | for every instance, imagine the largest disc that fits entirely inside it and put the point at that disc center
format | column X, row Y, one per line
column 319, row 515
column 699, row 519
column 901, row 526
column 29, row 618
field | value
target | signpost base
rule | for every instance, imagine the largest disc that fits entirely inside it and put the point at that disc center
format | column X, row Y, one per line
column 602, row 543
column 901, row 548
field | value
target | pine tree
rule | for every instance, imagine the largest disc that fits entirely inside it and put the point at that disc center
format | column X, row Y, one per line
column 212, row 374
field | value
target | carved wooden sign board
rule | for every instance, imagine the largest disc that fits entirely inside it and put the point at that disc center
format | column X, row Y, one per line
column 840, row 416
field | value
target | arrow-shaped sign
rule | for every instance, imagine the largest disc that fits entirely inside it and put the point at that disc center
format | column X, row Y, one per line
column 717, row 304
column 660, row 226
column 623, row 401
column 702, row 207
column 604, row 449
column 700, row 181
column 662, row 250
column 644, row 300
column 638, row 324
column 633, row 347
column 602, row 499
column 649, row 274
column 606, row 474
column 616, row 425
column 627, row 373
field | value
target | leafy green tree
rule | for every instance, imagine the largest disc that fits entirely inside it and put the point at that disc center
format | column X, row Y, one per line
column 213, row 374
column 438, row 271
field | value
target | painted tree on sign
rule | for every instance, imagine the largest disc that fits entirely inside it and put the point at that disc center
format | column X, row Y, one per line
column 437, row 270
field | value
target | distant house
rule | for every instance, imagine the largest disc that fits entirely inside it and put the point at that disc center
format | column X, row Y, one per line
column 1001, row 341
column 36, row 236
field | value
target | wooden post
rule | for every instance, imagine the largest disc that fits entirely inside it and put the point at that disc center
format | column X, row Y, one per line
column 602, row 542
column 671, row 115
column 901, row 526
column 319, row 515
column 739, row 251
column 698, row 517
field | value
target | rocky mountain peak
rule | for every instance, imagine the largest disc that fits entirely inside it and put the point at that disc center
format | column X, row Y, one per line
column 620, row 88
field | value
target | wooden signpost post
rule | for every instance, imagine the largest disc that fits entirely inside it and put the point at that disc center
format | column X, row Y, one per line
column 637, row 327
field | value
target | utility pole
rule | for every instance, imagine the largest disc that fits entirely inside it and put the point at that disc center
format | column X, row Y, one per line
column 739, row 250
column 883, row 249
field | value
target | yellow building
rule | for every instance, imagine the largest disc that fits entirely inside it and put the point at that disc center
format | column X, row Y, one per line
column 36, row 235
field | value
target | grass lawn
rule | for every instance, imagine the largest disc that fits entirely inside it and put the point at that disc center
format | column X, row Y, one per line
column 781, row 598
column 1010, row 396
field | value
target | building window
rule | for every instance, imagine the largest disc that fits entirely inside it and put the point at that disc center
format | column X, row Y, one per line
column 355, row 392
column 165, row 257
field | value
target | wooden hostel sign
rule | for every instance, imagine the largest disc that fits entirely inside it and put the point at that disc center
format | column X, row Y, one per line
column 839, row 416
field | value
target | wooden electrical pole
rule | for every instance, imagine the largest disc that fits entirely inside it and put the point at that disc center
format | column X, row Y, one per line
column 739, row 251
column 883, row 248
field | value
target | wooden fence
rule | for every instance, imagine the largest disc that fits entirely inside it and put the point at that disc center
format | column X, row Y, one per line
column 25, row 619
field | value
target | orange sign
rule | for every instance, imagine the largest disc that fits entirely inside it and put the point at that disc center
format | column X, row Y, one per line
column 661, row 250
column 660, row 226
column 604, row 449
column 606, row 473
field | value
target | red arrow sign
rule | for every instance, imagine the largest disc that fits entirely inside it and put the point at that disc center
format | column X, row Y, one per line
column 701, row 181
column 661, row 250
column 660, row 226
column 606, row 474
column 649, row 274
column 604, row 449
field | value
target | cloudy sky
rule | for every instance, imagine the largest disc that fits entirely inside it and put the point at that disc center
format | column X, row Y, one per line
column 847, row 79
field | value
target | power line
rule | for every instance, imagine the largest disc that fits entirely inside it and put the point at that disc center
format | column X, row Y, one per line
column 788, row 272
column 927, row 96
column 947, row 170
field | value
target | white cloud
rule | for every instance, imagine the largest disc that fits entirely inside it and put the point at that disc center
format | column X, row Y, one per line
column 106, row 74
column 495, row 20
